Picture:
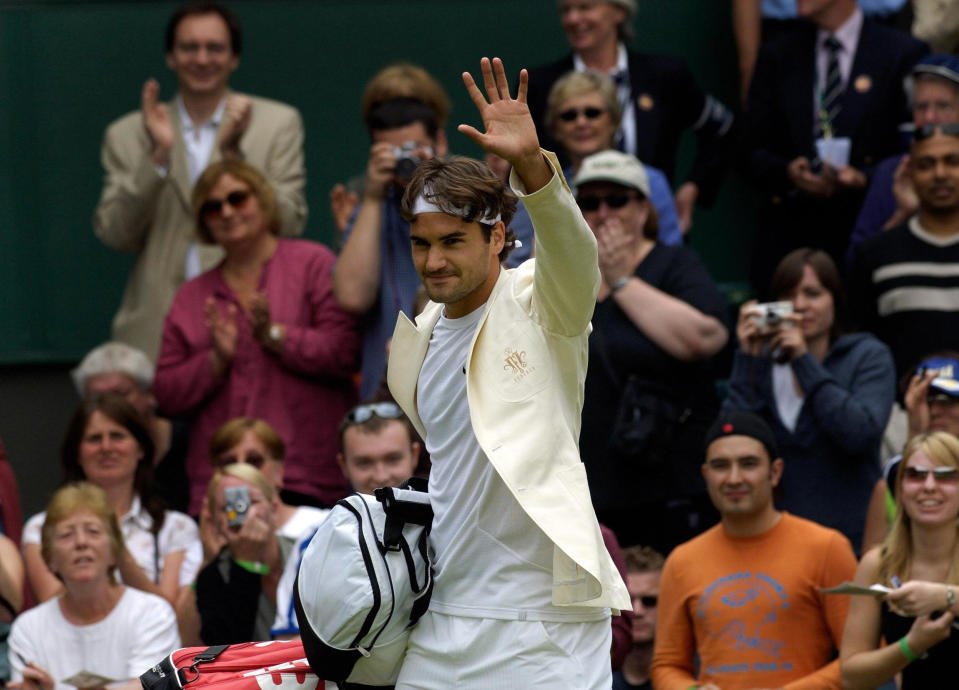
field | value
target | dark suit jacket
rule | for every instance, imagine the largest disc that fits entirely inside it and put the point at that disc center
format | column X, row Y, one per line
column 780, row 126
column 668, row 101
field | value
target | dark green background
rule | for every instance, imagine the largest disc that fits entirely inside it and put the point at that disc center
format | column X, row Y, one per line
column 68, row 68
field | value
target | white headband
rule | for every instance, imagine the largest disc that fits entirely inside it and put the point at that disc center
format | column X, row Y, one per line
column 423, row 205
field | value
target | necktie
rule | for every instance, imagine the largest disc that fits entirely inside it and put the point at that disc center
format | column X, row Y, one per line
column 831, row 90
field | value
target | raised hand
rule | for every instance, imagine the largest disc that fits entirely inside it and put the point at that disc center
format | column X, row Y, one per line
column 156, row 121
column 342, row 204
column 236, row 118
column 510, row 132
column 917, row 402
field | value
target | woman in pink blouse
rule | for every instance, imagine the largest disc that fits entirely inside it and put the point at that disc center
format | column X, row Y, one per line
column 260, row 335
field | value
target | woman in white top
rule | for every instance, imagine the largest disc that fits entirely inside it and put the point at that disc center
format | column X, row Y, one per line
column 96, row 625
column 108, row 444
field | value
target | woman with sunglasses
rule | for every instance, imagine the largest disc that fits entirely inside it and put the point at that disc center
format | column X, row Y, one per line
column 919, row 561
column 260, row 335
column 650, row 394
column 583, row 114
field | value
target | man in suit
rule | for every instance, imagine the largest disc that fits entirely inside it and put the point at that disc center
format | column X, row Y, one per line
column 491, row 375
column 835, row 79
column 658, row 94
column 153, row 156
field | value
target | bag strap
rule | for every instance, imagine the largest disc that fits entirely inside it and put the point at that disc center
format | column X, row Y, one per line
column 207, row 655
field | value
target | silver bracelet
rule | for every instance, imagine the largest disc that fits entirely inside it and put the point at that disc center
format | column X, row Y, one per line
column 619, row 284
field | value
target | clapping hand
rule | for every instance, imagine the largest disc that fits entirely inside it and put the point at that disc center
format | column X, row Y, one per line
column 236, row 118
column 156, row 121
column 223, row 333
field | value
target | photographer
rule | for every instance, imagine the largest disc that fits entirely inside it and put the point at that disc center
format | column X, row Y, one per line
column 235, row 593
column 827, row 396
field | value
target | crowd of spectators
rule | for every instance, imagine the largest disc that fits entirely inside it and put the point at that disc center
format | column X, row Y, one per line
column 220, row 423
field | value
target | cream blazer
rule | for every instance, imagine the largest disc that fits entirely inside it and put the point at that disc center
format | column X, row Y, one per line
column 525, row 374
column 142, row 212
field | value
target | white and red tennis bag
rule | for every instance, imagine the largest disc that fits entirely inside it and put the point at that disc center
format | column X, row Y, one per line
column 273, row 665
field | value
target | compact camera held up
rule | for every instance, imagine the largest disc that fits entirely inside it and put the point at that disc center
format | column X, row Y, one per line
column 769, row 316
column 407, row 159
column 236, row 504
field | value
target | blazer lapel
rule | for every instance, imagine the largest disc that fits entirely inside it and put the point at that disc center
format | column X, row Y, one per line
column 407, row 352
column 179, row 170
column 857, row 96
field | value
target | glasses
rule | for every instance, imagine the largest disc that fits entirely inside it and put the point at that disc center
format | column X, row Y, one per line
column 941, row 398
column 590, row 113
column 252, row 458
column 591, row 203
column 212, row 208
column 649, row 601
column 363, row 413
column 940, row 474
column 950, row 129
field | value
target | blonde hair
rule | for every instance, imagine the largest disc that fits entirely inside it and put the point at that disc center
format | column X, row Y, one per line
column 243, row 472
column 896, row 553
column 244, row 172
column 73, row 498
column 232, row 432
column 573, row 84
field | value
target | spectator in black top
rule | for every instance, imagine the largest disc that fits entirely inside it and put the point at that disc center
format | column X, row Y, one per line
column 658, row 94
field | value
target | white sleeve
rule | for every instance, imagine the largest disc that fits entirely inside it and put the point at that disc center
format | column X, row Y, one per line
column 182, row 534
column 153, row 633
column 33, row 528
column 285, row 622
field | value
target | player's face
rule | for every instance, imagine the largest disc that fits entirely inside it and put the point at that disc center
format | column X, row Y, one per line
column 590, row 24
column 372, row 459
column 457, row 264
column 644, row 591
column 739, row 475
column 934, row 163
column 202, row 56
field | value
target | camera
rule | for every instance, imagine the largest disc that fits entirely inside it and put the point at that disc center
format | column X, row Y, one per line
column 770, row 315
column 236, row 504
column 406, row 160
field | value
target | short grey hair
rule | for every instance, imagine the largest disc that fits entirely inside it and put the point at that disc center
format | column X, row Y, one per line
column 625, row 30
column 114, row 358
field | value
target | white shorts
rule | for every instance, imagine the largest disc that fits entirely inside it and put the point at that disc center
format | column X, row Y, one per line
column 482, row 653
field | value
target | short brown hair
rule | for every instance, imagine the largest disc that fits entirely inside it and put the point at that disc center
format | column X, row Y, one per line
column 642, row 559
column 231, row 433
column 573, row 84
column 244, row 172
column 406, row 80
column 788, row 275
column 75, row 497
column 458, row 182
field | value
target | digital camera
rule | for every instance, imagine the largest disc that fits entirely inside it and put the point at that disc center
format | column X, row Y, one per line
column 406, row 160
column 236, row 504
column 770, row 315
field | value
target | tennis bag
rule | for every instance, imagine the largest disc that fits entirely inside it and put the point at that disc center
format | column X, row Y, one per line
column 364, row 581
column 245, row 666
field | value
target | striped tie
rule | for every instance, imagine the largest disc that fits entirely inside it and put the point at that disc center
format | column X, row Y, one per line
column 831, row 87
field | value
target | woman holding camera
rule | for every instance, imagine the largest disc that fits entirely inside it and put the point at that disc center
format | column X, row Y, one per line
column 919, row 561
column 260, row 335
column 826, row 395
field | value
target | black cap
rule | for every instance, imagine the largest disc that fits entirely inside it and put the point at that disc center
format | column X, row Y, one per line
column 742, row 423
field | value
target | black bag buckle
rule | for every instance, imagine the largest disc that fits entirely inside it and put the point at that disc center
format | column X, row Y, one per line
column 208, row 654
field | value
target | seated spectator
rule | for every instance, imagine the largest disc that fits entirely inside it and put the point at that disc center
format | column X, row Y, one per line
column 377, row 448
column 128, row 372
column 904, row 282
column 891, row 198
column 254, row 442
column 659, row 95
column 108, row 445
column 11, row 597
column 236, row 591
column 657, row 322
column 825, row 105
column 643, row 570
column 582, row 113
column 918, row 561
column 745, row 596
column 95, row 625
column 826, row 394
column 260, row 335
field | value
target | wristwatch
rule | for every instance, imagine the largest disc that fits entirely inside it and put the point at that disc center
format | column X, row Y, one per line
column 619, row 284
column 275, row 335
column 950, row 597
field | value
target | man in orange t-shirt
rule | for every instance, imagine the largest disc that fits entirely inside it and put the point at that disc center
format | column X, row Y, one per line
column 744, row 596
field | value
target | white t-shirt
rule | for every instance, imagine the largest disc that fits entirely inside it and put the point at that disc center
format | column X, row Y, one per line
column 179, row 533
column 138, row 633
column 789, row 401
column 492, row 561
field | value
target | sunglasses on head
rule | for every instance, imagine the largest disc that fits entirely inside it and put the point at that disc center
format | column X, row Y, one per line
column 649, row 601
column 950, row 129
column 590, row 113
column 253, row 458
column 940, row 474
column 214, row 207
column 384, row 410
column 591, row 203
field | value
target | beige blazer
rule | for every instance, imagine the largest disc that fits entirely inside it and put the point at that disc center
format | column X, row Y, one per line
column 525, row 374
column 149, row 215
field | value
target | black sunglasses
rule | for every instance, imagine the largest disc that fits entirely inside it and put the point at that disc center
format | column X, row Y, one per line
column 214, row 207
column 590, row 113
column 649, row 601
column 950, row 129
column 591, row 203
column 252, row 458
column 384, row 410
